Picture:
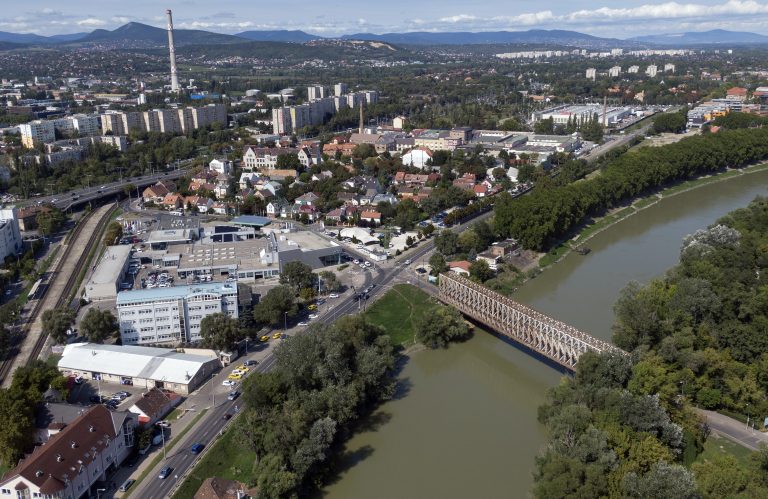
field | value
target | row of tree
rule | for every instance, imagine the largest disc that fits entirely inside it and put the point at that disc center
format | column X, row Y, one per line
column 549, row 214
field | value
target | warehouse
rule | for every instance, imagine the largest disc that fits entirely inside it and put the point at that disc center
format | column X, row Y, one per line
column 138, row 366
column 108, row 274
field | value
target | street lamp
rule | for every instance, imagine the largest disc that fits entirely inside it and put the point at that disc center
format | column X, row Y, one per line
column 246, row 346
column 285, row 323
column 747, row 417
column 98, row 493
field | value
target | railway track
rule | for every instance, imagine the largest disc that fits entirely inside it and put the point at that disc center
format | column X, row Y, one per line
column 72, row 240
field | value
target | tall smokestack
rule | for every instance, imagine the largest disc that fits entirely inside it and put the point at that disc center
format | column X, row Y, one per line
column 172, row 53
column 362, row 124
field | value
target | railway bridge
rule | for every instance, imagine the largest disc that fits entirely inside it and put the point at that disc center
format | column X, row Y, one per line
column 555, row 340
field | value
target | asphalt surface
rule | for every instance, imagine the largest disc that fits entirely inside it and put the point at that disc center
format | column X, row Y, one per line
column 735, row 430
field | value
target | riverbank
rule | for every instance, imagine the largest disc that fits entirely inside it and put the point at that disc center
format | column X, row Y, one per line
column 616, row 215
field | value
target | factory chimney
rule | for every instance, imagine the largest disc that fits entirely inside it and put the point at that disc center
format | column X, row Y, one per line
column 362, row 123
column 172, row 53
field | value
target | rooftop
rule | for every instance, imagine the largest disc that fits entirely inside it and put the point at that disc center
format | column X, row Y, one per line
column 251, row 220
column 173, row 292
column 170, row 236
column 241, row 254
column 111, row 264
column 133, row 361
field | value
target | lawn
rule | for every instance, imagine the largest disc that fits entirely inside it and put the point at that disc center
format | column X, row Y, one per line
column 717, row 445
column 226, row 459
column 397, row 310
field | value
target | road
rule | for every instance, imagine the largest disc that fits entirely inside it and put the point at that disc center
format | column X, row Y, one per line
column 618, row 141
column 735, row 430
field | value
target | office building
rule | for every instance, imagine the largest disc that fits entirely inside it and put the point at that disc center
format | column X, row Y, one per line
column 37, row 132
column 172, row 316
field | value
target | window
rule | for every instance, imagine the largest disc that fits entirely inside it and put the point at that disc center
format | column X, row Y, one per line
column 5, row 491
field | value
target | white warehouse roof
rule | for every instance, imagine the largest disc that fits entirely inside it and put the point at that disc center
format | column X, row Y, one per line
column 159, row 364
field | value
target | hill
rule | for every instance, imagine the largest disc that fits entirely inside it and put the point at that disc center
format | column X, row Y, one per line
column 33, row 39
column 138, row 34
column 316, row 49
column 12, row 46
column 712, row 37
column 282, row 35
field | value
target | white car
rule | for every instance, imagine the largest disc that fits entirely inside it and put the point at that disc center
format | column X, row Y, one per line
column 313, row 316
column 303, row 324
column 356, row 262
column 163, row 424
column 229, row 382
column 333, row 295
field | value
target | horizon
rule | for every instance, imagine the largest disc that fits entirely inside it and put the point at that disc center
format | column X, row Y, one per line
column 630, row 19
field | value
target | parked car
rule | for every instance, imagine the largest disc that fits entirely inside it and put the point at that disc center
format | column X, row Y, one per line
column 233, row 395
column 227, row 416
column 333, row 295
column 303, row 323
column 163, row 424
column 250, row 363
column 165, row 473
column 229, row 382
column 196, row 448
column 126, row 485
column 313, row 316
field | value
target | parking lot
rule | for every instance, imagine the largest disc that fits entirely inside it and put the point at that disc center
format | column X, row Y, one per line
column 88, row 392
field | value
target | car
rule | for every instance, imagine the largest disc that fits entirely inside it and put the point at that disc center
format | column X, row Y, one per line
column 421, row 270
column 356, row 261
column 313, row 316
column 233, row 395
column 312, row 307
column 238, row 372
column 243, row 368
column 236, row 377
column 163, row 424
column 303, row 323
column 408, row 261
column 277, row 336
column 264, row 338
column 368, row 264
column 333, row 295
column 229, row 382
column 196, row 448
column 123, row 395
column 126, row 485
column 250, row 363
column 227, row 416
column 104, row 187
column 165, row 473
column 96, row 399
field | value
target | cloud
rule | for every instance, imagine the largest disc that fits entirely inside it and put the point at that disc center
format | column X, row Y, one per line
column 91, row 22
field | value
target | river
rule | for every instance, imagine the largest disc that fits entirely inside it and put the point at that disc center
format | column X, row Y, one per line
column 467, row 425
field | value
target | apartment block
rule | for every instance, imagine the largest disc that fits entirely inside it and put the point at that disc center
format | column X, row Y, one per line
column 37, row 132
column 633, row 69
column 316, row 92
column 340, row 89
column 171, row 316
column 652, row 70
column 614, row 71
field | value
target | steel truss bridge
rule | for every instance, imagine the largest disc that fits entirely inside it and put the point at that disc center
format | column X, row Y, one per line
column 555, row 340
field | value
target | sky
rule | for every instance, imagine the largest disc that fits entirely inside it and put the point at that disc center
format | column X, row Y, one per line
column 609, row 18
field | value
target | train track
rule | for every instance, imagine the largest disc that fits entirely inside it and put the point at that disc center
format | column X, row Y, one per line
column 6, row 365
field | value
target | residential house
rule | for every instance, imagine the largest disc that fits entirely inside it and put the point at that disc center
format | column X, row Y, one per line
column 73, row 459
column 154, row 405
column 460, row 267
column 371, row 216
column 466, row 181
column 490, row 258
column 348, row 198
column 384, row 198
column 402, row 178
column 343, row 149
column 337, row 214
column 173, row 201
column 27, row 217
column 221, row 208
column 736, row 93
column 221, row 166
column 154, row 193
column 275, row 207
column 323, row 175
column 481, row 190
column 281, row 175
column 309, row 199
column 248, row 179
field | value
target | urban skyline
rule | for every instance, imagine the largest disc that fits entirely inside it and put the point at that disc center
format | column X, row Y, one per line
column 627, row 19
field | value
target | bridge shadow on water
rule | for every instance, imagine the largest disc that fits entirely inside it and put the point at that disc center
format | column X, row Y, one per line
column 480, row 327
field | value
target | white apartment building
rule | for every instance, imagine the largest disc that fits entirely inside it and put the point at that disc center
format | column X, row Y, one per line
column 614, row 72
column 86, row 125
column 652, row 70
column 10, row 236
column 633, row 69
column 340, row 89
column 617, row 51
column 112, row 122
column 171, row 316
column 669, row 68
column 37, row 132
column 591, row 73
column 316, row 92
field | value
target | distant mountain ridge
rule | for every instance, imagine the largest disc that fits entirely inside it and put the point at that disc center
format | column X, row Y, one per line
column 281, row 35
column 563, row 37
column 142, row 33
column 712, row 37
column 31, row 38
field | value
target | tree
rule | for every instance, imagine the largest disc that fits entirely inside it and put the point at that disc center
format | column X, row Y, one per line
column 438, row 263
column 298, row 275
column 480, row 271
column 113, row 233
column 275, row 304
column 98, row 325
column 56, row 322
column 220, row 332
column 50, row 221
column 545, row 127
column 288, row 161
column 661, row 482
column 441, row 327
column 329, row 281
column 447, row 242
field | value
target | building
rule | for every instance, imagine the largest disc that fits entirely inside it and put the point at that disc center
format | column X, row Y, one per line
column 10, row 235
column 138, row 366
column 591, row 74
column 614, row 72
column 340, row 89
column 399, row 122
column 562, row 114
column 172, row 316
column 669, row 68
column 316, row 92
column 255, row 158
column 736, row 94
column 651, row 71
column 37, row 132
column 418, row 157
column 73, row 459
column 633, row 69
column 86, row 125
column 109, row 273
column 154, row 405
column 220, row 166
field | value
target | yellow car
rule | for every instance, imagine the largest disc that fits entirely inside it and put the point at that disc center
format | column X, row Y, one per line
column 243, row 367
column 264, row 338
column 277, row 336
column 312, row 307
column 235, row 377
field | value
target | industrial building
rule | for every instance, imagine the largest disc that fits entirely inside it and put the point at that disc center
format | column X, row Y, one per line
column 560, row 115
column 109, row 273
column 139, row 366
column 172, row 316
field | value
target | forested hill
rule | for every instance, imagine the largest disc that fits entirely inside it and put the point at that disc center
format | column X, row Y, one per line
column 624, row 426
column 549, row 213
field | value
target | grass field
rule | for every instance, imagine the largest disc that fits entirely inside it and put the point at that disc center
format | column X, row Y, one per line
column 397, row 310
column 226, row 459
column 717, row 445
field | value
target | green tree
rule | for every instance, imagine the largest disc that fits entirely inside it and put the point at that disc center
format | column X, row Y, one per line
column 480, row 271
column 272, row 308
column 447, row 242
column 298, row 275
column 441, row 327
column 330, row 282
column 220, row 332
column 49, row 221
column 98, row 325
column 113, row 233
column 56, row 322
column 661, row 482
column 438, row 263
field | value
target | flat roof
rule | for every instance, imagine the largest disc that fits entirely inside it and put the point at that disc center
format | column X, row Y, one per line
column 133, row 361
column 177, row 292
column 304, row 240
column 245, row 255
column 170, row 236
column 111, row 265
column 251, row 220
